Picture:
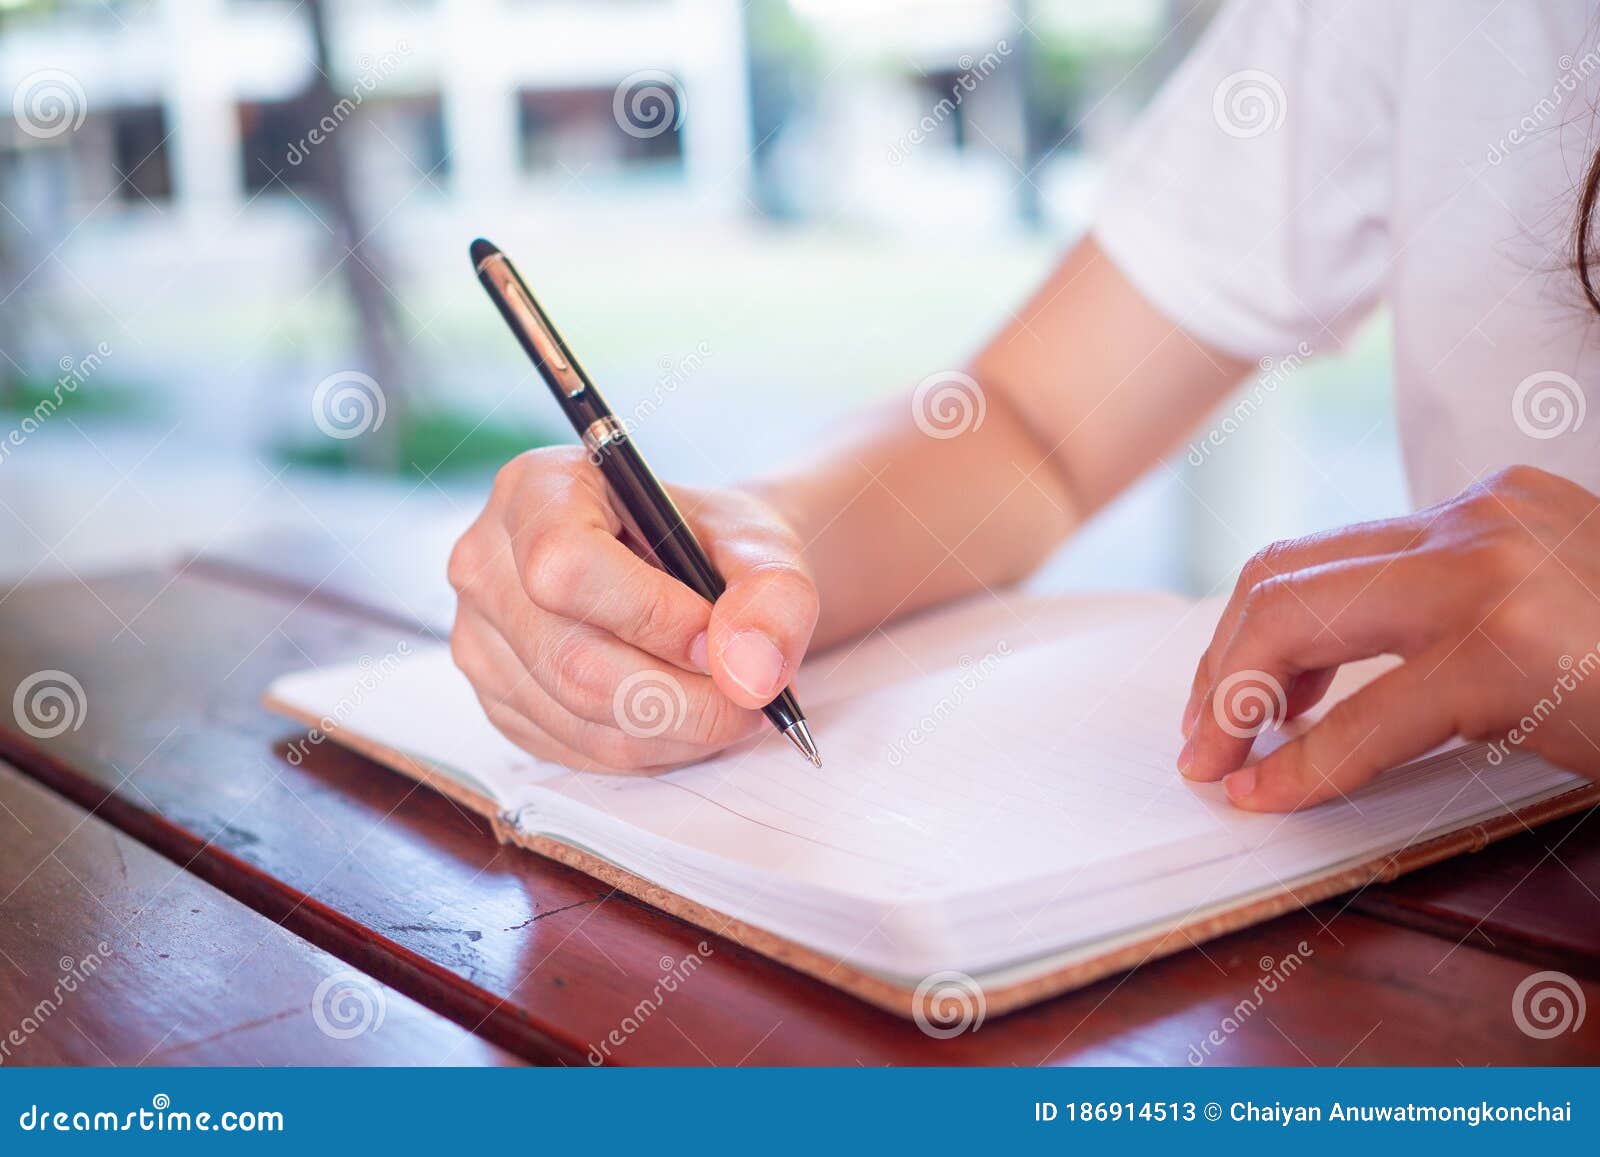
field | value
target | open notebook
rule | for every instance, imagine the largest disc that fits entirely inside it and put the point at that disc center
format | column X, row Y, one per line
column 998, row 800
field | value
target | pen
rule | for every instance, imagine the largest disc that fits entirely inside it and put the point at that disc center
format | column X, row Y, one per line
column 653, row 515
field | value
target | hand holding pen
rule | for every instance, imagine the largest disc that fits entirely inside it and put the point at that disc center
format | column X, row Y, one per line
column 587, row 654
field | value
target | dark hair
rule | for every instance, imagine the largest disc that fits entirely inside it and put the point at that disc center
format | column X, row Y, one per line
column 1582, row 241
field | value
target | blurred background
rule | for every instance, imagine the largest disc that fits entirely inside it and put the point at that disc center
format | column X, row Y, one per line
column 235, row 302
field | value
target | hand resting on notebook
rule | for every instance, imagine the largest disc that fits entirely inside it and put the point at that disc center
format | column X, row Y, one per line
column 555, row 613
column 1492, row 601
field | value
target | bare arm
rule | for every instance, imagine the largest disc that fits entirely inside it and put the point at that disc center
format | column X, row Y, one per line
column 1083, row 391
column 557, row 618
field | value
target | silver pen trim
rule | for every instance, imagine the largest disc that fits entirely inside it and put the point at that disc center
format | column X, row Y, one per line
column 800, row 735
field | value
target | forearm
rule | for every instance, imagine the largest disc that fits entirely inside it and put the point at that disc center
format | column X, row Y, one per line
column 894, row 519
column 1084, row 390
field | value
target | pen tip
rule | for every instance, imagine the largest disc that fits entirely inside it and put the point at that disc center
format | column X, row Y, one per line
column 800, row 735
column 482, row 250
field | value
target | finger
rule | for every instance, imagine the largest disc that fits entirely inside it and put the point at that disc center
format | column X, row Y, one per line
column 1304, row 622
column 538, row 491
column 583, row 573
column 645, row 731
column 597, row 677
column 1395, row 718
column 532, row 739
column 541, row 746
column 600, row 680
column 1367, row 539
column 762, row 624
column 594, row 675
column 1307, row 691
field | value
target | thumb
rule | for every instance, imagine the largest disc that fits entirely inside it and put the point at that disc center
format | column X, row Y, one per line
column 762, row 624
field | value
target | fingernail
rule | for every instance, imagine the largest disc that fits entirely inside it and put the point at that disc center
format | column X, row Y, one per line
column 1186, row 758
column 1191, row 716
column 697, row 653
column 755, row 663
column 1241, row 783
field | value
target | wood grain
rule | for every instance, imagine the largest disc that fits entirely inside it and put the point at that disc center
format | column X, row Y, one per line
column 555, row 966
column 1535, row 896
column 112, row 955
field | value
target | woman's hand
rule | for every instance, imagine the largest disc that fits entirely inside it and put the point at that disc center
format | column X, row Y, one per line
column 584, row 653
column 1492, row 602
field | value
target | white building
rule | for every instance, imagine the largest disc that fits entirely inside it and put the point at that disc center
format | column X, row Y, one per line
column 485, row 100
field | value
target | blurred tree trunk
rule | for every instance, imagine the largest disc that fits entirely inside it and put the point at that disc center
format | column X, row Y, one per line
column 1036, row 121
column 362, row 265
column 11, row 383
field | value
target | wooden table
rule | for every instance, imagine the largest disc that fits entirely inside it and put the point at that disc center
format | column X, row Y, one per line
column 175, row 754
column 113, row 955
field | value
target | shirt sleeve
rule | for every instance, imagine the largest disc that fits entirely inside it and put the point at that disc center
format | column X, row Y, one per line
column 1250, row 202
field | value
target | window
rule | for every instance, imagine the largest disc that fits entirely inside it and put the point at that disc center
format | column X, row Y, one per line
column 139, row 152
column 274, row 145
column 578, row 129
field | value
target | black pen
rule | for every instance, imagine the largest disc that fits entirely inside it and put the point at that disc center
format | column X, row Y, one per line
column 655, row 518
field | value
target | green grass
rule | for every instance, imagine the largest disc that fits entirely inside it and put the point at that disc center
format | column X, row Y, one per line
column 26, row 395
column 431, row 441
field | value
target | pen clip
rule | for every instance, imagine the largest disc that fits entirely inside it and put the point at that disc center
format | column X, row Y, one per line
column 533, row 325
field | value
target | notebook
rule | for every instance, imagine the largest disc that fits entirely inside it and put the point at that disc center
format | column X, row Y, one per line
column 998, row 808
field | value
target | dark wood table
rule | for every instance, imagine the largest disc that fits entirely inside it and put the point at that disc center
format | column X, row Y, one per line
column 113, row 955
column 348, row 859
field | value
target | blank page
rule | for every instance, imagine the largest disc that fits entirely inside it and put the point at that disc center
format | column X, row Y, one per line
column 998, row 784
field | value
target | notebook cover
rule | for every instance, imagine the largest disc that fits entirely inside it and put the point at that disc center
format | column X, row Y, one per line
column 997, row 999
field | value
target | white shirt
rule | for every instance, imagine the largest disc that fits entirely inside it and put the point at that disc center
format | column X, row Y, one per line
column 1312, row 159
